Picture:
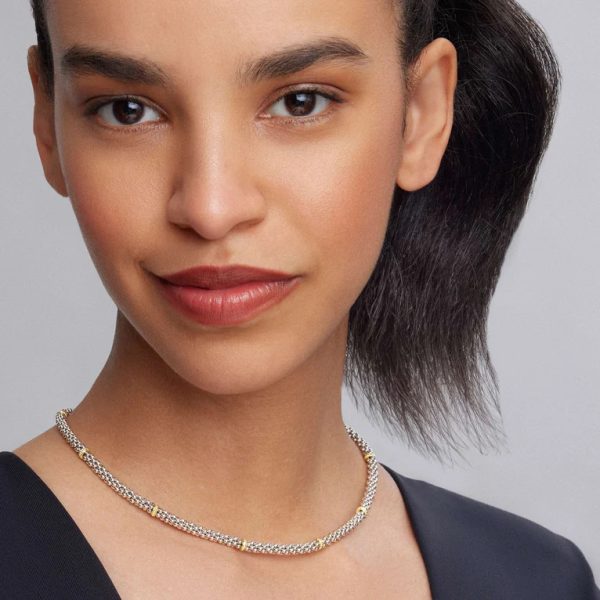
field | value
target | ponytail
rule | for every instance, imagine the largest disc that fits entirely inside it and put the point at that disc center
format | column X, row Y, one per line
column 417, row 343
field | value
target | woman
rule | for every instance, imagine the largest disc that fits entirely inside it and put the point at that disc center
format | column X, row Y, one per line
column 278, row 196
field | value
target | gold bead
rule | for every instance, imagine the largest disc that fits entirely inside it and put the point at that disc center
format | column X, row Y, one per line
column 154, row 510
column 321, row 543
column 361, row 509
column 369, row 455
column 62, row 413
column 244, row 545
column 82, row 452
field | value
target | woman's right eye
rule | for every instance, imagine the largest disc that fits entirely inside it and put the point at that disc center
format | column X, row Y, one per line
column 125, row 112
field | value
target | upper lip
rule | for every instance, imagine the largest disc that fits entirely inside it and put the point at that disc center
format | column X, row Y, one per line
column 214, row 277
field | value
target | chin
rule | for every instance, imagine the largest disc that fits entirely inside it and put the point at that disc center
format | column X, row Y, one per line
column 228, row 382
column 232, row 372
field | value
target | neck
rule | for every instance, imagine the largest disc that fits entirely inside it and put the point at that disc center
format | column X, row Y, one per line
column 274, row 464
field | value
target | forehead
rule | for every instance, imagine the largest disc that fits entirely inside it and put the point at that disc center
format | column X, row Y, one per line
column 190, row 35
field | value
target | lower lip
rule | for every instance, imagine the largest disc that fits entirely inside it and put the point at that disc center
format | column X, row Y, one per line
column 229, row 306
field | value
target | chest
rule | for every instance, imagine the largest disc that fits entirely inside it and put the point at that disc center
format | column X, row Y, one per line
column 148, row 560
column 173, row 574
column 152, row 561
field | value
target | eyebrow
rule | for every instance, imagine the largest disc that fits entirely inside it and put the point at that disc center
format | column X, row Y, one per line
column 81, row 60
column 298, row 57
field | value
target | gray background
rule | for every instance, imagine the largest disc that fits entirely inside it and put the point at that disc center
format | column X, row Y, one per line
column 56, row 320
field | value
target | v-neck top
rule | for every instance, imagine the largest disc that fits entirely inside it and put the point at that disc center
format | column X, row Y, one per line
column 471, row 550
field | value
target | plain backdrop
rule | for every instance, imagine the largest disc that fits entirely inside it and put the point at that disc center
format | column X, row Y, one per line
column 56, row 320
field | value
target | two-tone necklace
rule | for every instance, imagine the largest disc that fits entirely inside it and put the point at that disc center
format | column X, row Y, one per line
column 216, row 536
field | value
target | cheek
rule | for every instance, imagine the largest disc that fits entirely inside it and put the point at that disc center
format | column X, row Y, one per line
column 340, row 197
column 113, row 193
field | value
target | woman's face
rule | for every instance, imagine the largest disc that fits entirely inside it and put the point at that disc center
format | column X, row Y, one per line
column 212, row 164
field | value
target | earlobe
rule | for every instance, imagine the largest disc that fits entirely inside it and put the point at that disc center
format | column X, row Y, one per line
column 43, row 126
column 429, row 115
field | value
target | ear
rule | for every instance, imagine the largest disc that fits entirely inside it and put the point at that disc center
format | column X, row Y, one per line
column 429, row 114
column 43, row 125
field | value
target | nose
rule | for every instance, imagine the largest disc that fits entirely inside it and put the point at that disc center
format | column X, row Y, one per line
column 215, row 189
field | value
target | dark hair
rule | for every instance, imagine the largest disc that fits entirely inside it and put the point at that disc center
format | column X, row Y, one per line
column 417, row 341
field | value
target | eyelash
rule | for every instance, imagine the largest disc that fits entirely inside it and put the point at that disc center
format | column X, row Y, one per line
column 307, row 121
column 95, row 107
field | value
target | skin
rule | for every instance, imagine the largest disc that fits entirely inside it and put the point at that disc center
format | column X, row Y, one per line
column 237, row 428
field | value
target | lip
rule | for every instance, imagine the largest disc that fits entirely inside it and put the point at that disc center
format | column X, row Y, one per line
column 215, row 277
column 227, row 295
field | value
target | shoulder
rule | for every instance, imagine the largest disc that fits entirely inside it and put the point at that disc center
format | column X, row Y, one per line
column 14, row 488
column 42, row 552
column 464, row 538
column 31, row 516
column 25, row 511
column 22, row 524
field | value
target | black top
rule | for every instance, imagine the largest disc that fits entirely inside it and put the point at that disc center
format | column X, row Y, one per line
column 471, row 550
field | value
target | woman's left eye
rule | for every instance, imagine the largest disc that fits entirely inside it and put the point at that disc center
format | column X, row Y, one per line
column 301, row 104
column 123, row 112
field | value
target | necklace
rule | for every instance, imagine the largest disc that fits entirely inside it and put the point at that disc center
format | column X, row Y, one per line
column 215, row 536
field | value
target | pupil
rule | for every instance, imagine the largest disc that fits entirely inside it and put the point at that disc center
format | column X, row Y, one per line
column 127, row 111
column 305, row 103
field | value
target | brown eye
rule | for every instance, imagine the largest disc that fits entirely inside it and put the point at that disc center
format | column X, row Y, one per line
column 126, row 111
column 302, row 103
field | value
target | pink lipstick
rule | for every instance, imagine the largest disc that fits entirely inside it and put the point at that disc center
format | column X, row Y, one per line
column 227, row 295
